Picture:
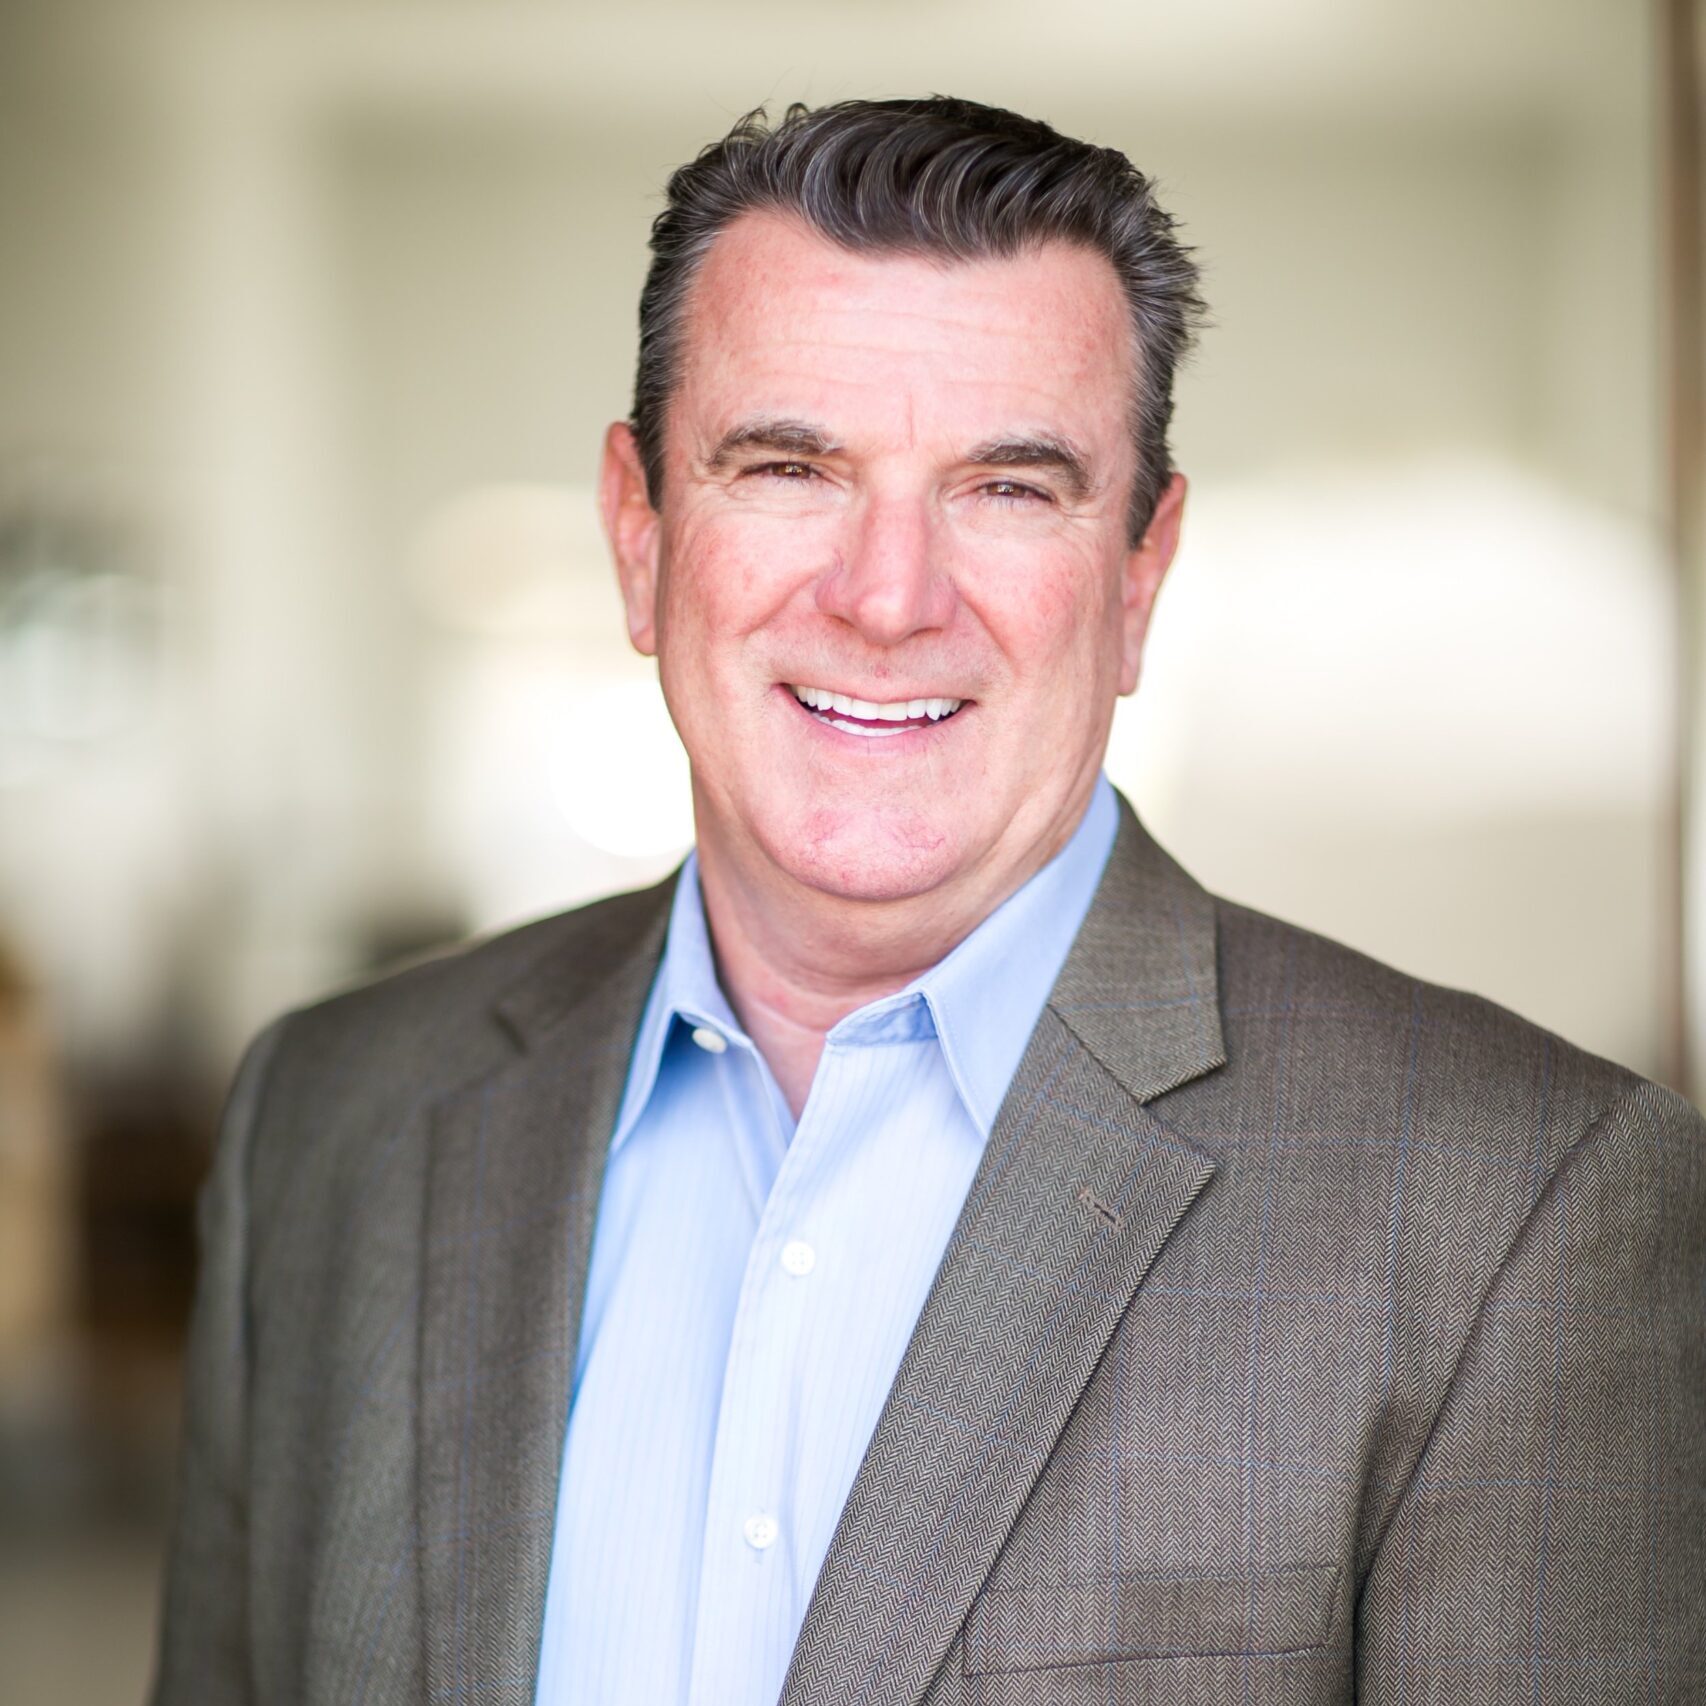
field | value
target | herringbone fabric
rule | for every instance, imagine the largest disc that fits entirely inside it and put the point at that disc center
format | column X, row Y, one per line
column 1308, row 1334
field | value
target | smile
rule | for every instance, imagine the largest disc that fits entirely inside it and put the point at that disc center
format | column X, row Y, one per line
column 867, row 717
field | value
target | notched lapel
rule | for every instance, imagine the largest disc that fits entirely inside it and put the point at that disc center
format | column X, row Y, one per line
column 1140, row 988
column 1078, row 1189
column 516, row 1165
column 1077, row 1192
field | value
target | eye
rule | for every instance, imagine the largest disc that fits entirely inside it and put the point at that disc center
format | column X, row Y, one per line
column 785, row 470
column 1014, row 492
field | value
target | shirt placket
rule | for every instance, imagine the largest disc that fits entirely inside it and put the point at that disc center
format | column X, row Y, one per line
column 747, row 1574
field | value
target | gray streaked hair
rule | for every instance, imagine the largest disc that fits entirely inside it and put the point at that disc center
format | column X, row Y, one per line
column 938, row 176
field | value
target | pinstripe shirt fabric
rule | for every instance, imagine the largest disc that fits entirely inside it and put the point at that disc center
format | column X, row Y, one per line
column 753, row 1287
column 1308, row 1334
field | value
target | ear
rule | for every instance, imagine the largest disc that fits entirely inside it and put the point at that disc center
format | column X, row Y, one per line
column 633, row 528
column 1140, row 580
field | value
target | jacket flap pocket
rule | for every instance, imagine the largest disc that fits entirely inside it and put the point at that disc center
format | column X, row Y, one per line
column 1042, row 1624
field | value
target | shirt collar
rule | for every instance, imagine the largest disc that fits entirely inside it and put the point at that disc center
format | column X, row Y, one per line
column 981, row 1001
column 988, row 994
column 685, row 985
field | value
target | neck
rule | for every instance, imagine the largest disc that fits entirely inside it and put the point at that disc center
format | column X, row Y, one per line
column 794, row 961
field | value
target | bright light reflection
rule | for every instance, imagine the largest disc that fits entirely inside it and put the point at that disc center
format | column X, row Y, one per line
column 1449, row 638
column 618, row 771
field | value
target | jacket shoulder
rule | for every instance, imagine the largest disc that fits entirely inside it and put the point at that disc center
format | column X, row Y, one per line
column 1365, row 1045
column 440, row 1018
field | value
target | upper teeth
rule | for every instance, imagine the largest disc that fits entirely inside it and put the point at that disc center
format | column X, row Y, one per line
column 896, row 711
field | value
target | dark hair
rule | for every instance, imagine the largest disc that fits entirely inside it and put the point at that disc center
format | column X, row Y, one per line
column 940, row 177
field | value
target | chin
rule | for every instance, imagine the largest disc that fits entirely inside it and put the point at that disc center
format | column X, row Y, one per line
column 871, row 856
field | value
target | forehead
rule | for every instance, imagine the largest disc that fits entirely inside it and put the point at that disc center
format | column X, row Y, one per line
column 781, row 320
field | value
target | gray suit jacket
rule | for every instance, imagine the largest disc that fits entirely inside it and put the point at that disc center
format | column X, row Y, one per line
column 1309, row 1333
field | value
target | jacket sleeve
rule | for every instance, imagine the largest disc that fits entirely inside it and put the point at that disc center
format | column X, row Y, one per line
column 1551, row 1545
column 203, row 1651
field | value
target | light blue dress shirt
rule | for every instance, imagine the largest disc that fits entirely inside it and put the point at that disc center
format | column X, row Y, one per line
column 753, row 1286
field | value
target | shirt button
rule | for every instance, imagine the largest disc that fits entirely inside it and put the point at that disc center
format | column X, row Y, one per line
column 798, row 1257
column 712, row 1042
column 760, row 1531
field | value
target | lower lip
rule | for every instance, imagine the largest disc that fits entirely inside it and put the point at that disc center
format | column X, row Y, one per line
column 873, row 734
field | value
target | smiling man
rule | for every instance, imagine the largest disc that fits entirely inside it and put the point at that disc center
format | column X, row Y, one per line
column 886, row 550
column 929, row 1249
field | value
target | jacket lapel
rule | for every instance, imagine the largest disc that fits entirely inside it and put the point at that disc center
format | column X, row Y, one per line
column 1078, row 1189
column 516, row 1164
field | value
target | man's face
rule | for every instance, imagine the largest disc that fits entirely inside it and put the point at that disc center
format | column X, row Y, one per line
column 889, row 585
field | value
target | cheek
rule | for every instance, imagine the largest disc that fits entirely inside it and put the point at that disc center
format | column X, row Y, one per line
column 727, row 577
column 1054, row 621
column 709, row 593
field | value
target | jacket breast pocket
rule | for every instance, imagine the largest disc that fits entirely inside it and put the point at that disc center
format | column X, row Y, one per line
column 1040, row 1625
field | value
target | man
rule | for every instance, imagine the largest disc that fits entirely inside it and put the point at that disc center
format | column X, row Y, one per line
column 930, row 1250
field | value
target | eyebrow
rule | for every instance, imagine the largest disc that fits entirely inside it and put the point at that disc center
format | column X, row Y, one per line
column 1058, row 455
column 786, row 437
column 780, row 437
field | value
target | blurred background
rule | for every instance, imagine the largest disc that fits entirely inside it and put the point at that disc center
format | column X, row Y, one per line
column 311, row 317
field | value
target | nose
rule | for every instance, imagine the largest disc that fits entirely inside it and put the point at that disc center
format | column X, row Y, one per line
column 887, row 581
